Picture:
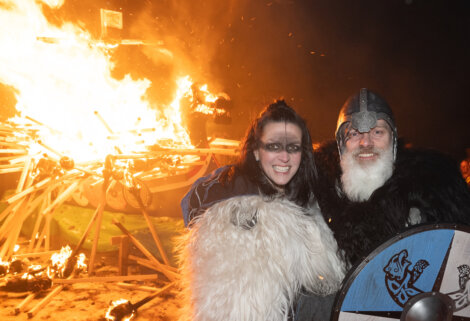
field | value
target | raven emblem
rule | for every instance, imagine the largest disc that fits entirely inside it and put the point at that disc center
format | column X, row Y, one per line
column 400, row 277
column 461, row 297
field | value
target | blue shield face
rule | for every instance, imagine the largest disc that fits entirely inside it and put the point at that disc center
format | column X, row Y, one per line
column 417, row 263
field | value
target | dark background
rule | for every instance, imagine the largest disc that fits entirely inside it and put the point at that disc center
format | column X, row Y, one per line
column 314, row 54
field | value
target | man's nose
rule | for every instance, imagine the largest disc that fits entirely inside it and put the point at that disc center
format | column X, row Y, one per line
column 365, row 140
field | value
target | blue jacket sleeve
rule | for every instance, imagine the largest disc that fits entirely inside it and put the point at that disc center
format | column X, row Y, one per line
column 208, row 190
column 200, row 197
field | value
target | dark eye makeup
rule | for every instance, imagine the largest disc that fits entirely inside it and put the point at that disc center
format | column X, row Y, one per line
column 279, row 147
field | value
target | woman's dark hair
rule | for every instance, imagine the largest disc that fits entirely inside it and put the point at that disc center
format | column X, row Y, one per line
column 300, row 187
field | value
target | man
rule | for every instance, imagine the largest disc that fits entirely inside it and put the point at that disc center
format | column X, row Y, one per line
column 370, row 187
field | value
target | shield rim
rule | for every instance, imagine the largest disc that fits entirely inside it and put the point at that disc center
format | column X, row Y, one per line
column 352, row 274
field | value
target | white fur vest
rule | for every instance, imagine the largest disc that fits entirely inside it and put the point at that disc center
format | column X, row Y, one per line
column 234, row 274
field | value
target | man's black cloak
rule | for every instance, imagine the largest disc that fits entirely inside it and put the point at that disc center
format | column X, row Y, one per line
column 425, row 180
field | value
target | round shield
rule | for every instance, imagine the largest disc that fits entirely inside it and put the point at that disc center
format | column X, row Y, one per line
column 115, row 196
column 132, row 196
column 420, row 274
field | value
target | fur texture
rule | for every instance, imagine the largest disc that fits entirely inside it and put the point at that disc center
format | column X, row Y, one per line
column 423, row 181
column 233, row 274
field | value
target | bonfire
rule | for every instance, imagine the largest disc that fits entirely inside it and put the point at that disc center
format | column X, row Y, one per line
column 76, row 126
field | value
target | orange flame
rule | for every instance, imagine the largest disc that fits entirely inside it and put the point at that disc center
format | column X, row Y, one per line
column 81, row 262
column 4, row 266
column 59, row 262
column 65, row 90
column 114, row 304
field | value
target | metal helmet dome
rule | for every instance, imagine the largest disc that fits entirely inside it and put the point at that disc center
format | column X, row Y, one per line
column 361, row 112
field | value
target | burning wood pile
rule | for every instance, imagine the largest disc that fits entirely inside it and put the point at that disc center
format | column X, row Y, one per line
column 77, row 128
column 47, row 178
column 19, row 275
column 64, row 268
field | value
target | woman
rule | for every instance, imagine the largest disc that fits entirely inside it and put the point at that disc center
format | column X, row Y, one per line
column 256, row 236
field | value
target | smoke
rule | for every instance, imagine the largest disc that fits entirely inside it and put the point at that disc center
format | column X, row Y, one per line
column 191, row 31
column 181, row 38
column 314, row 54
column 255, row 51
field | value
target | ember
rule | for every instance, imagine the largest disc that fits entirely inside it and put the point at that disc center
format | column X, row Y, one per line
column 3, row 268
column 27, row 283
column 124, row 310
column 80, row 135
column 18, row 266
column 120, row 310
column 64, row 263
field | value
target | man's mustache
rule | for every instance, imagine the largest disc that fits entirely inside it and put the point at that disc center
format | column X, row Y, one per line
column 367, row 150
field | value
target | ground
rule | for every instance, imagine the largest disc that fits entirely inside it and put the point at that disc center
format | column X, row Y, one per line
column 90, row 301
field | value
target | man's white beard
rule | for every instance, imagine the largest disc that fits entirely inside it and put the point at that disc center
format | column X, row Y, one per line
column 360, row 181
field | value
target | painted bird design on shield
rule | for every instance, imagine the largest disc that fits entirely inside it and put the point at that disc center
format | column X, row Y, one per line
column 461, row 297
column 400, row 277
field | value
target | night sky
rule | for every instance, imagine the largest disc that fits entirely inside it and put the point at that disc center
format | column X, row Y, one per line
column 415, row 53
column 314, row 54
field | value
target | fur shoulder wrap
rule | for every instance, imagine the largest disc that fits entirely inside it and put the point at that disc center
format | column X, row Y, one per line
column 235, row 274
